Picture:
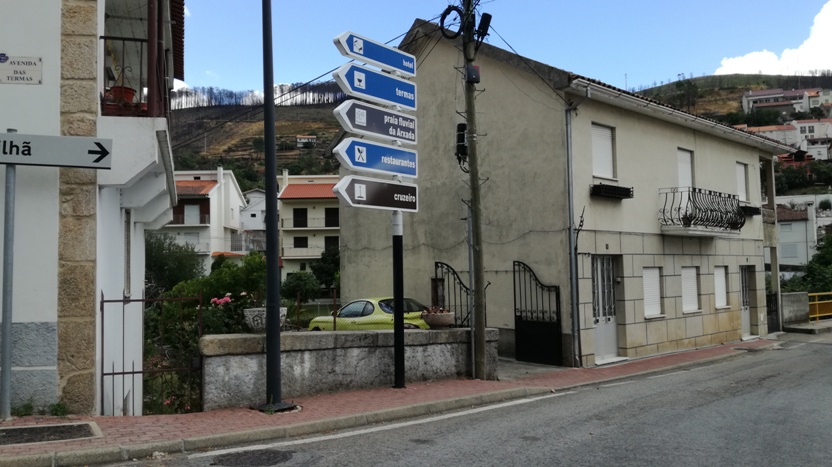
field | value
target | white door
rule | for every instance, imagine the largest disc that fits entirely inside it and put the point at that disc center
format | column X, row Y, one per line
column 603, row 309
column 745, row 308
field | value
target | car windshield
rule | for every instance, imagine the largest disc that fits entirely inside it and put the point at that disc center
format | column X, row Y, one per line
column 410, row 305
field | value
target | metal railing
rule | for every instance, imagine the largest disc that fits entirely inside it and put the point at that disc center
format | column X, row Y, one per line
column 127, row 90
column 820, row 305
column 309, row 223
column 310, row 252
column 534, row 301
column 181, row 219
column 697, row 207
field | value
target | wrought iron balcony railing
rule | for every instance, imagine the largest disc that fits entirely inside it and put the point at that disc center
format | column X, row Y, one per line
column 690, row 207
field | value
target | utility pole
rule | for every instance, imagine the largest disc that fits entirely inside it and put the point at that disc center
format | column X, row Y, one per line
column 469, row 50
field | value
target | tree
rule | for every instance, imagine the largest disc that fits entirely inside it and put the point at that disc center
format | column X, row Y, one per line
column 168, row 263
column 326, row 270
column 301, row 286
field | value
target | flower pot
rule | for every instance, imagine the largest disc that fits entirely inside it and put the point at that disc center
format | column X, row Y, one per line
column 256, row 318
column 438, row 320
column 122, row 94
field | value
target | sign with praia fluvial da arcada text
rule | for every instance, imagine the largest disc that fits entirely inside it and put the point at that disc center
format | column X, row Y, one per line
column 376, row 122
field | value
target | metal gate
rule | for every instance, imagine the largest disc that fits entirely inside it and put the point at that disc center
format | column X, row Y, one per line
column 449, row 292
column 772, row 312
column 537, row 324
column 150, row 359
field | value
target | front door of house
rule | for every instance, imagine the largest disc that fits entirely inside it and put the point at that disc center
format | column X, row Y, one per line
column 603, row 309
column 745, row 307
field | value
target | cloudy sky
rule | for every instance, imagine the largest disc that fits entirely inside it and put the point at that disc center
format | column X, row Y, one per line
column 626, row 43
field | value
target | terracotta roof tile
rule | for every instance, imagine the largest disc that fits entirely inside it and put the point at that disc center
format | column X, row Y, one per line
column 194, row 187
column 785, row 213
column 308, row 191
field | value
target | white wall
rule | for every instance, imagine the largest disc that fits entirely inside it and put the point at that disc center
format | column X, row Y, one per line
column 32, row 29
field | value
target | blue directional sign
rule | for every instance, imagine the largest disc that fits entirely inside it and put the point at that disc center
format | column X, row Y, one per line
column 376, row 86
column 374, row 53
column 376, row 157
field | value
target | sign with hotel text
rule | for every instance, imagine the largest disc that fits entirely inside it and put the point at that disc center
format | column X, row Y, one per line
column 20, row 70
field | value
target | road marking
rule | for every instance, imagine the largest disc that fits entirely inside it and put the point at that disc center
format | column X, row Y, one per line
column 376, row 429
column 615, row 384
column 667, row 374
column 798, row 345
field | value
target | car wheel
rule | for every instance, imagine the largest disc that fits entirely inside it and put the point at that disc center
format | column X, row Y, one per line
column 316, row 328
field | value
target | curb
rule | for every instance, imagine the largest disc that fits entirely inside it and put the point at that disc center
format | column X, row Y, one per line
column 185, row 445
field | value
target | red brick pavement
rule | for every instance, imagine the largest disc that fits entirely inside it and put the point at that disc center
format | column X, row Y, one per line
column 124, row 431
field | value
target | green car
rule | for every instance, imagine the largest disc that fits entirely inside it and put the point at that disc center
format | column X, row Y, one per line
column 370, row 314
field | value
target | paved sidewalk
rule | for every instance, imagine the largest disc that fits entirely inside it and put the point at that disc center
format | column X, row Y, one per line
column 125, row 438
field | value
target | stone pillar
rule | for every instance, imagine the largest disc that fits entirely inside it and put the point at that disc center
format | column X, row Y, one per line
column 76, row 238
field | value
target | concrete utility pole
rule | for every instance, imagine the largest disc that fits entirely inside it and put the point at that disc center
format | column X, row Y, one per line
column 469, row 50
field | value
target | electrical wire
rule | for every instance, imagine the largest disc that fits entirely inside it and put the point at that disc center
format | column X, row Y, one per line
column 549, row 85
column 279, row 99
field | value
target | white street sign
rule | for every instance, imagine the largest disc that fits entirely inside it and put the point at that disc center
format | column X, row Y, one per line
column 55, row 151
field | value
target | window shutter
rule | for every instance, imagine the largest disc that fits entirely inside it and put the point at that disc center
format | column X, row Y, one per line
column 602, row 154
column 690, row 290
column 652, row 292
column 742, row 186
column 720, row 289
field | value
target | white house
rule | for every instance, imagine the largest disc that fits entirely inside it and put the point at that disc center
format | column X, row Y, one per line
column 101, row 69
column 208, row 214
column 253, row 219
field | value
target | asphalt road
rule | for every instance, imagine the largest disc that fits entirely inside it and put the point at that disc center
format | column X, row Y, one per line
column 769, row 407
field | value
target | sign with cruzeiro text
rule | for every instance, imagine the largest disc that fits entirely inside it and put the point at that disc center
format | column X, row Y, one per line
column 20, row 70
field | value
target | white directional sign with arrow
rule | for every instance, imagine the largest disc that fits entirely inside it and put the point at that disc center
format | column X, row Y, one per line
column 55, row 151
column 364, row 192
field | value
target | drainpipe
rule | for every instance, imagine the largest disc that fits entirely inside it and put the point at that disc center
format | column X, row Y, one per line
column 573, row 247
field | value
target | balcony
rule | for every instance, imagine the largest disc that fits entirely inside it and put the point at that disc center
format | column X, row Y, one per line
column 301, row 253
column 690, row 211
column 180, row 219
column 309, row 223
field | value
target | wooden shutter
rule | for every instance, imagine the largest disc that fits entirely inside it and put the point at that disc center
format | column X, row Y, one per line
column 690, row 290
column 652, row 292
column 720, row 289
column 602, row 153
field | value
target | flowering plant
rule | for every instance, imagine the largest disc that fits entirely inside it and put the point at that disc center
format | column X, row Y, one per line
column 436, row 310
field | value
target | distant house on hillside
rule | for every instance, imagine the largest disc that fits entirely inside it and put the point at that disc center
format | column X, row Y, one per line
column 795, row 100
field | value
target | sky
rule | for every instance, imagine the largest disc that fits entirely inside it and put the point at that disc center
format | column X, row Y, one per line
column 624, row 43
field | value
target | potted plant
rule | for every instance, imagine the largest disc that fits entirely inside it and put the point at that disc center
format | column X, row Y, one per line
column 438, row 318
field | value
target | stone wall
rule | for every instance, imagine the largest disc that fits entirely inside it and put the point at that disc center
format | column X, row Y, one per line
column 795, row 307
column 234, row 369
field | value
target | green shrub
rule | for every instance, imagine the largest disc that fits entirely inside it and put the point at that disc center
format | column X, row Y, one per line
column 825, row 204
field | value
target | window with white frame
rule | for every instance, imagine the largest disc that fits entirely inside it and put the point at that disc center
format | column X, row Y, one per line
column 684, row 167
column 742, row 181
column 789, row 250
column 690, row 289
column 651, row 278
column 721, row 286
column 603, row 151
column 786, row 227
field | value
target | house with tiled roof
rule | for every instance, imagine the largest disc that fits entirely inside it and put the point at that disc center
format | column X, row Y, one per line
column 208, row 214
column 309, row 219
column 637, row 227
column 798, row 236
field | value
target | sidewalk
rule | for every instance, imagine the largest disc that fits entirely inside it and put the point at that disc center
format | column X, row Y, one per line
column 126, row 438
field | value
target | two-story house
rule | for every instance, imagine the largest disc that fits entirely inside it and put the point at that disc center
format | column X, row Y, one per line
column 649, row 220
column 253, row 219
column 101, row 69
column 208, row 214
column 309, row 220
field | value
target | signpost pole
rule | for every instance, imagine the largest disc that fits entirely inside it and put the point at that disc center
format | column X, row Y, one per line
column 8, row 282
column 398, row 301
